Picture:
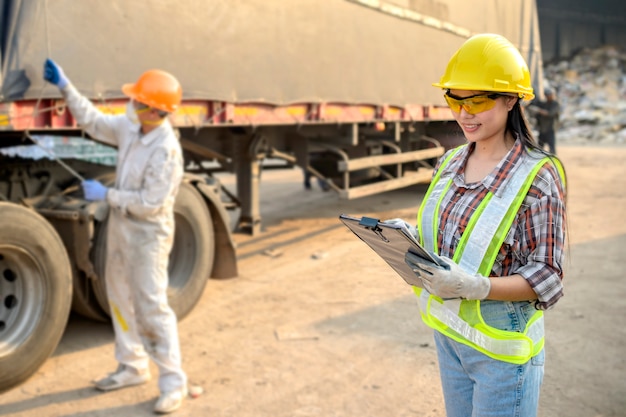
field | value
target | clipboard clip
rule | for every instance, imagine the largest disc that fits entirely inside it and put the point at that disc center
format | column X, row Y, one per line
column 372, row 224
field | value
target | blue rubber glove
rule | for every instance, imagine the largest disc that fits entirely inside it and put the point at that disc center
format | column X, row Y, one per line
column 94, row 190
column 54, row 74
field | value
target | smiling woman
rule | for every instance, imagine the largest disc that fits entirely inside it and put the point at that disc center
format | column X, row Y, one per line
column 495, row 214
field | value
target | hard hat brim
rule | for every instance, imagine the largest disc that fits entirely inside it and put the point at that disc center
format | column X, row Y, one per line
column 524, row 96
column 129, row 90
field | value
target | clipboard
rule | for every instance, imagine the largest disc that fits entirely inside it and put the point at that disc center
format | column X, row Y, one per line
column 391, row 242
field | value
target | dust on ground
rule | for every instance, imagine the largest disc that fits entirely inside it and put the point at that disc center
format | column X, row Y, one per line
column 317, row 325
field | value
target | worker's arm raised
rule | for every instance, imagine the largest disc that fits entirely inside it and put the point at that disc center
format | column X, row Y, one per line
column 100, row 126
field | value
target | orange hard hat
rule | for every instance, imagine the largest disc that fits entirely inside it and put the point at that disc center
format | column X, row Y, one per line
column 156, row 88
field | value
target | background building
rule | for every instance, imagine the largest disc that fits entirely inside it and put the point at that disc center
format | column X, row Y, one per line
column 567, row 26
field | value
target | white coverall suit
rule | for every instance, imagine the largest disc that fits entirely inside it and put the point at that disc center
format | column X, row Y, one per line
column 140, row 237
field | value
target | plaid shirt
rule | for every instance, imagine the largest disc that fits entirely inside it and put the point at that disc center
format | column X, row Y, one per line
column 534, row 246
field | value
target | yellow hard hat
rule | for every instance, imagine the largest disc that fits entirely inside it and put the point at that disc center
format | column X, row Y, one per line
column 156, row 88
column 488, row 62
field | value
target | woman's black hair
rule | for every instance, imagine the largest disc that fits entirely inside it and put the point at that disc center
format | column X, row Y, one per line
column 517, row 124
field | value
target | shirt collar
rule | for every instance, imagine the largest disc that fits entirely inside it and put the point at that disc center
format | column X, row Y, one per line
column 497, row 179
column 150, row 137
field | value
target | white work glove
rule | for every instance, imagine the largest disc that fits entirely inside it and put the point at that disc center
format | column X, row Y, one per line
column 449, row 280
column 399, row 221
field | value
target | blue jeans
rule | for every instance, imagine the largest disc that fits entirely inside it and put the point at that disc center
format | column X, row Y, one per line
column 475, row 385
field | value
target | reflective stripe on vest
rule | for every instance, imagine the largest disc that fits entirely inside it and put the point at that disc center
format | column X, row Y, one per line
column 476, row 253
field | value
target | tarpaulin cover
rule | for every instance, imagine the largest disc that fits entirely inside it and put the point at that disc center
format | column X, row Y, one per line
column 273, row 51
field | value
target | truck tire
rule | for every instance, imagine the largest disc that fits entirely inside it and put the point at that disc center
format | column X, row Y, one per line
column 193, row 253
column 36, row 291
column 191, row 259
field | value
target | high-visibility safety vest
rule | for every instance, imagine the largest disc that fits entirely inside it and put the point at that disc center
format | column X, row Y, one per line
column 476, row 253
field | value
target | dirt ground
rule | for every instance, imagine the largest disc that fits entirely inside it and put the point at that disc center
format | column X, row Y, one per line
column 318, row 325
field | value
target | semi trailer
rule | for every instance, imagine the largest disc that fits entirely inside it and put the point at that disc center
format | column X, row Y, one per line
column 340, row 88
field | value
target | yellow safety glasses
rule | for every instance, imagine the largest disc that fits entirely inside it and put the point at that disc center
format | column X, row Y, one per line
column 472, row 104
column 140, row 107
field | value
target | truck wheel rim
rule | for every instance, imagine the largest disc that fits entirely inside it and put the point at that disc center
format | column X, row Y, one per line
column 21, row 293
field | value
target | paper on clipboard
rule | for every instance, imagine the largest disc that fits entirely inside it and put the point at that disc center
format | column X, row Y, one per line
column 391, row 242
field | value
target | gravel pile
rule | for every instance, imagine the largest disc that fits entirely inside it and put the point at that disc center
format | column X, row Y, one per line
column 591, row 88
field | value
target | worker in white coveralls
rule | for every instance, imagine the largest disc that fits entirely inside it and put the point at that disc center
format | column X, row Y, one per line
column 140, row 227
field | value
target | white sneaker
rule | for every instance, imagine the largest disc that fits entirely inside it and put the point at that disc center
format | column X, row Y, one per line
column 123, row 377
column 170, row 401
